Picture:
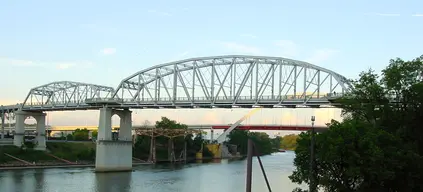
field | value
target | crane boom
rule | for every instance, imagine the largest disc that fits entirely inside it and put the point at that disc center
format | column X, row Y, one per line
column 223, row 136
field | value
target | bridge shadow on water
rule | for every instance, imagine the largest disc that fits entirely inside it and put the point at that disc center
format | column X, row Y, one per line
column 106, row 182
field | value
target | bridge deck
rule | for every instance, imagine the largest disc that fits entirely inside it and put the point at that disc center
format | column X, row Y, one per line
column 215, row 126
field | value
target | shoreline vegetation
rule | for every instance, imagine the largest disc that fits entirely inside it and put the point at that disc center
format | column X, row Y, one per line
column 82, row 154
column 378, row 146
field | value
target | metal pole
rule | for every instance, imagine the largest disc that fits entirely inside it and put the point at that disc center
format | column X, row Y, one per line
column 312, row 187
column 185, row 147
column 262, row 169
column 249, row 165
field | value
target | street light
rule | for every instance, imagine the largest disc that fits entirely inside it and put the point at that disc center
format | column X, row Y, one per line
column 312, row 187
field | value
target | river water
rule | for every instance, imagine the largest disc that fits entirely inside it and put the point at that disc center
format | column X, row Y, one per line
column 223, row 176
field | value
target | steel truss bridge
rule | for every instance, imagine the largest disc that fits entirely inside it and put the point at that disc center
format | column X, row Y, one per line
column 205, row 82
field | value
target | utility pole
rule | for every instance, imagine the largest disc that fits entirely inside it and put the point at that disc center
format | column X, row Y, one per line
column 312, row 185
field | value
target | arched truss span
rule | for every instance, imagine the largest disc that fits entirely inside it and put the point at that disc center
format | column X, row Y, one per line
column 63, row 94
column 231, row 80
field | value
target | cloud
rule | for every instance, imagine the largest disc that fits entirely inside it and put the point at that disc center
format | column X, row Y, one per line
column 385, row 14
column 64, row 65
column 417, row 15
column 249, row 36
column 108, row 51
column 321, row 55
column 17, row 62
column 67, row 65
column 159, row 12
column 288, row 48
column 240, row 48
column 57, row 65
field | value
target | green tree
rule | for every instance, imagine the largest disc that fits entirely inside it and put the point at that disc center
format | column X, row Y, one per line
column 69, row 137
column 240, row 138
column 289, row 142
column 142, row 146
column 262, row 142
column 166, row 123
column 349, row 157
column 379, row 146
column 94, row 134
column 276, row 143
column 80, row 134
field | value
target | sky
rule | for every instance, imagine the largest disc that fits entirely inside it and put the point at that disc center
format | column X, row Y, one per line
column 102, row 42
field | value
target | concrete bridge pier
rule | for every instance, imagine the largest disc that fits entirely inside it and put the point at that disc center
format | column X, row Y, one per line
column 2, row 125
column 19, row 135
column 41, row 132
column 114, row 155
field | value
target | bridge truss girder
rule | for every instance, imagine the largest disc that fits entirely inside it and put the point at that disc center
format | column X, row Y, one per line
column 235, row 78
column 7, row 114
column 65, row 94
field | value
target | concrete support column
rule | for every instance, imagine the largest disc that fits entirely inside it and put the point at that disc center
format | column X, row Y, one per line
column 18, row 138
column 105, row 124
column 114, row 155
column 211, row 135
column 125, row 130
column 2, row 125
column 41, row 132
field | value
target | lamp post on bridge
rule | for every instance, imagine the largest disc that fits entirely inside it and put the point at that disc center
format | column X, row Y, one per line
column 312, row 186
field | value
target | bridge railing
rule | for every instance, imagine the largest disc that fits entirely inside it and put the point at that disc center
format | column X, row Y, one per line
column 167, row 99
column 10, row 107
column 240, row 98
column 96, row 100
column 66, row 103
column 181, row 99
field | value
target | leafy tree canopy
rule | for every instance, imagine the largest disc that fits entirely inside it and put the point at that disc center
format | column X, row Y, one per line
column 289, row 142
column 379, row 144
column 166, row 123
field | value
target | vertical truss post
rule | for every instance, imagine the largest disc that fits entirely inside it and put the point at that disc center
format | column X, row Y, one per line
column 295, row 81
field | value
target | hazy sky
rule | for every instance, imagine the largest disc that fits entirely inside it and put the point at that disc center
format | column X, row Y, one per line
column 105, row 41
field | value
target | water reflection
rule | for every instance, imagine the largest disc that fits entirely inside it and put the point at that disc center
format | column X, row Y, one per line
column 39, row 180
column 17, row 179
column 113, row 182
column 208, row 176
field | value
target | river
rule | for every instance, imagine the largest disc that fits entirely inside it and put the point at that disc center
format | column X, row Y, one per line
column 224, row 176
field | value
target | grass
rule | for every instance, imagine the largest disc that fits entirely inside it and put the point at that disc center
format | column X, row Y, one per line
column 73, row 151
column 24, row 154
column 68, row 151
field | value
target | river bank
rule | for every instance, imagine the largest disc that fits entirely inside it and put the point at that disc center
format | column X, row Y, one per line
column 52, row 166
column 66, row 155
column 57, row 154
